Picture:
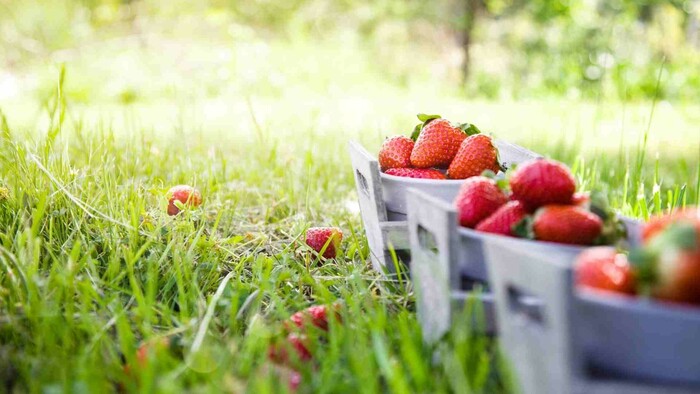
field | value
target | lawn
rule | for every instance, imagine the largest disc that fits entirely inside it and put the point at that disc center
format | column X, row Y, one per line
column 91, row 265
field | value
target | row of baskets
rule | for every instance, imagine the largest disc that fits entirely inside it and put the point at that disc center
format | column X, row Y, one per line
column 558, row 340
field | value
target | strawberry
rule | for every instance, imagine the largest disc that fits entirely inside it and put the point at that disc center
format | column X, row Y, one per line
column 279, row 352
column 581, row 199
column 566, row 224
column 316, row 315
column 658, row 223
column 187, row 195
column 422, row 173
column 438, row 142
column 603, row 268
column 147, row 350
column 478, row 198
column 329, row 238
column 669, row 264
column 396, row 152
column 504, row 219
column 542, row 182
column 476, row 154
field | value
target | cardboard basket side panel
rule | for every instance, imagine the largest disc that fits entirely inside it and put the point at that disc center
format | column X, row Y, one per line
column 432, row 233
column 513, row 154
column 532, row 307
column 372, row 208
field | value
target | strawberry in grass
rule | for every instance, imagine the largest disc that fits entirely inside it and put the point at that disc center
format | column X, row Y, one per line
column 182, row 195
column 437, row 141
column 542, row 182
column 317, row 315
column 396, row 153
column 419, row 173
column 476, row 154
column 478, row 198
column 504, row 220
column 603, row 268
column 329, row 238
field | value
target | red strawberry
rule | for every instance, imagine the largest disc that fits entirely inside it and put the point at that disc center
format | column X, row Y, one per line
column 542, row 182
column 294, row 381
column 148, row 350
column 437, row 144
column 669, row 264
column 478, row 198
column 504, row 219
column 604, row 269
column 566, row 224
column 658, row 223
column 422, row 173
column 316, row 315
column 476, row 154
column 329, row 237
column 581, row 199
column 396, row 152
column 279, row 352
column 187, row 195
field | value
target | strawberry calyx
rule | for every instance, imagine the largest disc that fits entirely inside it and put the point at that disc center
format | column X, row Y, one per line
column 524, row 228
column 424, row 120
column 613, row 229
column 469, row 129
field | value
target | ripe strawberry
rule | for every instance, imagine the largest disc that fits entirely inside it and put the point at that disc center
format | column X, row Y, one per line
column 316, row 315
column 437, row 144
column 542, row 182
column 504, row 219
column 329, row 237
column 279, row 352
column 659, row 223
column 581, row 199
column 146, row 351
column 396, row 152
column 566, row 224
column 422, row 173
column 669, row 264
column 187, row 195
column 478, row 198
column 476, row 154
column 604, row 269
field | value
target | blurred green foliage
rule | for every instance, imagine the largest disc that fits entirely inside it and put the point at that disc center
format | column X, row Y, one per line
column 575, row 48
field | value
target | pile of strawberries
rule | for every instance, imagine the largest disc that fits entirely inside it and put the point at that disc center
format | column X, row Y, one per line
column 666, row 267
column 539, row 201
column 435, row 145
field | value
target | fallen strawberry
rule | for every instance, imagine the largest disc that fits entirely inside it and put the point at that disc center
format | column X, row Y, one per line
column 542, row 182
column 184, row 195
column 566, row 224
column 396, row 153
column 438, row 142
column 669, row 264
column 504, row 220
column 316, row 315
column 603, row 268
column 478, row 198
column 325, row 240
column 279, row 352
column 147, row 351
column 476, row 154
column 421, row 173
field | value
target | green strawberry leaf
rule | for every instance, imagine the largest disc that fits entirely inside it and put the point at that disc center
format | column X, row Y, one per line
column 469, row 128
column 523, row 229
column 600, row 205
column 678, row 236
column 416, row 131
column 489, row 174
column 426, row 118
column 644, row 264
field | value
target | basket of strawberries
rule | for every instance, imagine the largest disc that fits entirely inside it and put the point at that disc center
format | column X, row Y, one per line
column 436, row 159
column 606, row 321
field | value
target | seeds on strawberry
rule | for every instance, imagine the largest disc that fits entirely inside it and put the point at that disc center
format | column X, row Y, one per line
column 184, row 194
column 396, row 152
column 542, row 182
column 603, row 268
column 476, row 154
column 566, row 224
column 420, row 173
column 504, row 219
column 478, row 198
column 437, row 144
column 329, row 238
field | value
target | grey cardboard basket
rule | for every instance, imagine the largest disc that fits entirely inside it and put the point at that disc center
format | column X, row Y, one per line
column 560, row 340
column 446, row 264
column 383, row 205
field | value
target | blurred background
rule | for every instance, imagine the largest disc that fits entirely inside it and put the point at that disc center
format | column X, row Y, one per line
column 563, row 69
